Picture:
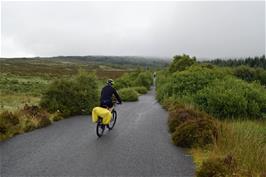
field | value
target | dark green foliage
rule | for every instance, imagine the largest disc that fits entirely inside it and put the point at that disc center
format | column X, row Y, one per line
column 250, row 74
column 218, row 167
column 134, row 79
column 181, row 62
column 232, row 97
column 195, row 133
column 71, row 97
column 255, row 62
column 186, row 82
column 144, row 79
column 141, row 89
column 128, row 94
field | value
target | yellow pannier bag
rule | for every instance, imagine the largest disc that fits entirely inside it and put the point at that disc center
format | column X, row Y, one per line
column 101, row 112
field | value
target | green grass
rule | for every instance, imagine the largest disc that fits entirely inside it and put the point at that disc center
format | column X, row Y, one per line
column 244, row 140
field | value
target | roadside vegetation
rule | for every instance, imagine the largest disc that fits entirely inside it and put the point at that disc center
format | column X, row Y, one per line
column 37, row 92
column 219, row 113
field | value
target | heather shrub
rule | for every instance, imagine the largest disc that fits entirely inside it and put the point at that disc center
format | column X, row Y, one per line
column 195, row 133
column 218, row 167
column 9, row 124
column 180, row 114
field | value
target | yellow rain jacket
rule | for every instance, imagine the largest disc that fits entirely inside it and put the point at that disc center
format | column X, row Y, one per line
column 102, row 112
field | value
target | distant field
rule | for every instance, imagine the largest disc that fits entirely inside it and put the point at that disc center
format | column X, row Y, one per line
column 23, row 80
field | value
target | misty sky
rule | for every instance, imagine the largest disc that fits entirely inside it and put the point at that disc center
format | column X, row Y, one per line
column 201, row 29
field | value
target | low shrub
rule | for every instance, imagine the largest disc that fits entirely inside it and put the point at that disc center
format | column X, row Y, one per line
column 8, row 118
column 43, row 122
column 218, row 167
column 34, row 117
column 9, row 124
column 141, row 89
column 70, row 97
column 180, row 114
column 196, row 133
column 128, row 94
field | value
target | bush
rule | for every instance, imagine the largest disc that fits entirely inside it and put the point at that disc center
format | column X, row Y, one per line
column 232, row 97
column 128, row 94
column 43, row 122
column 140, row 90
column 134, row 79
column 186, row 83
column 250, row 74
column 181, row 62
column 34, row 117
column 144, row 79
column 71, row 97
column 196, row 133
column 218, row 167
column 7, row 121
column 180, row 114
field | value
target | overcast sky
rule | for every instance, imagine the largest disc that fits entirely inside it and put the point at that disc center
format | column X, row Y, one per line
column 201, row 29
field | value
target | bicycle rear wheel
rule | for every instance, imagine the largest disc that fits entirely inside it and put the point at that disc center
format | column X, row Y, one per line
column 100, row 128
column 113, row 120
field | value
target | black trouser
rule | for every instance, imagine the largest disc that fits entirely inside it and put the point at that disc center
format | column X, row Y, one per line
column 106, row 103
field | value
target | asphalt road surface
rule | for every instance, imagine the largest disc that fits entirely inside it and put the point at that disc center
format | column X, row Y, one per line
column 139, row 145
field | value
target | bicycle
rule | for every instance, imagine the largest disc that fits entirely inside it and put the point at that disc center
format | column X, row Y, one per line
column 100, row 127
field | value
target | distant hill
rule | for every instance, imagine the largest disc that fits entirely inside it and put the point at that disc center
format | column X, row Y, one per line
column 112, row 61
column 68, row 65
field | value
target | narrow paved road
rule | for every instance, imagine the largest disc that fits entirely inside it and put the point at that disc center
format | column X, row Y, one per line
column 139, row 145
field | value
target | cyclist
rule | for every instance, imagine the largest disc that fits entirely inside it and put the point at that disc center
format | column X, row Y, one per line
column 106, row 95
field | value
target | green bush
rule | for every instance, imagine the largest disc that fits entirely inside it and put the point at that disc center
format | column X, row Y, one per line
column 181, row 62
column 196, row 133
column 128, row 94
column 134, row 79
column 187, row 82
column 124, row 81
column 231, row 97
column 218, row 167
column 250, row 74
column 144, row 79
column 140, row 90
column 193, row 79
column 70, row 97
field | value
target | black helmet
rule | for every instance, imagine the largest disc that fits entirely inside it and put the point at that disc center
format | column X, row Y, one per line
column 110, row 82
